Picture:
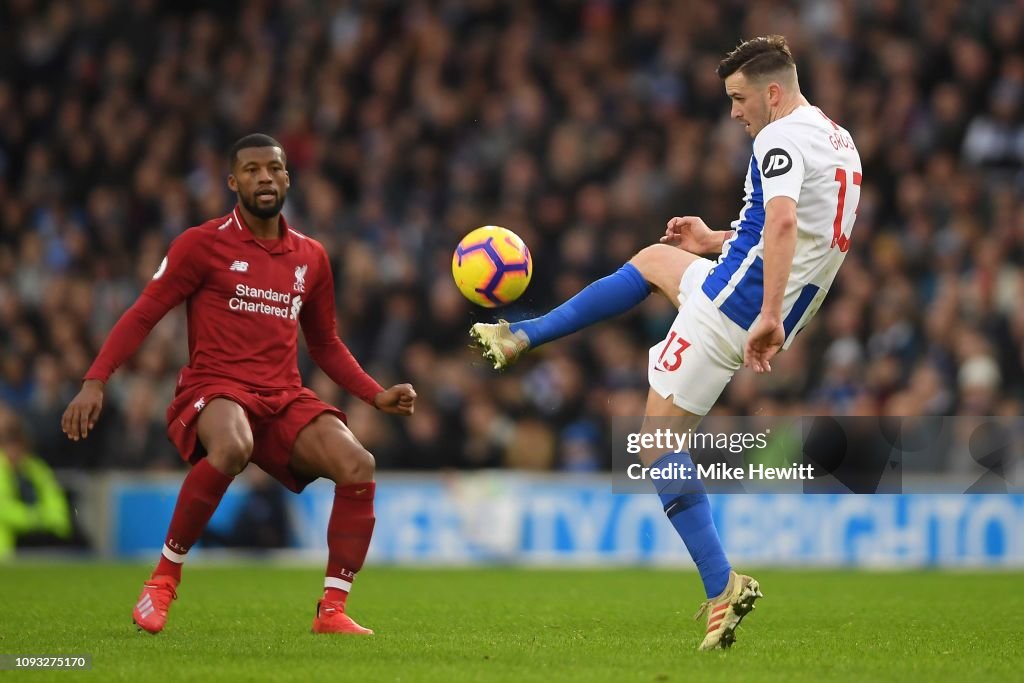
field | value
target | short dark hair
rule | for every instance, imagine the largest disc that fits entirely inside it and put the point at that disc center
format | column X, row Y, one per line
column 758, row 57
column 252, row 140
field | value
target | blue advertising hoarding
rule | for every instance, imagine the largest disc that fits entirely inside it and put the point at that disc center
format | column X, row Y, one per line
column 550, row 520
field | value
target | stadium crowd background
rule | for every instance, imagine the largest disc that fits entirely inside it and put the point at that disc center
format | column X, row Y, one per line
column 581, row 126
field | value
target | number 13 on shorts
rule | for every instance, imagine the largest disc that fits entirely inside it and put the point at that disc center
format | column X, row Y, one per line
column 672, row 353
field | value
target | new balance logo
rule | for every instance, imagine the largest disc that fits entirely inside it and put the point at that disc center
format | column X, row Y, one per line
column 240, row 266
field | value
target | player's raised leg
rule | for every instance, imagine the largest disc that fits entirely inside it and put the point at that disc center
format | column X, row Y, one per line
column 730, row 596
column 225, row 434
column 658, row 267
column 327, row 448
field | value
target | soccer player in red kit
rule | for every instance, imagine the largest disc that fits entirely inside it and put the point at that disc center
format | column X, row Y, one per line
column 250, row 281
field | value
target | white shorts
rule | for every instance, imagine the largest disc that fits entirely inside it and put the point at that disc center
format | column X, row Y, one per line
column 702, row 351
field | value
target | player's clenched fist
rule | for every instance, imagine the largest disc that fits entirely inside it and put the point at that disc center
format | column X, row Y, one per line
column 83, row 411
column 398, row 400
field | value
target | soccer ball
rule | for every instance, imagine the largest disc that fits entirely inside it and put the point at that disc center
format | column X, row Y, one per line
column 492, row 266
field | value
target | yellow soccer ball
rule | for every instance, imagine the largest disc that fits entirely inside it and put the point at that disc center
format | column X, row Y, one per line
column 492, row 266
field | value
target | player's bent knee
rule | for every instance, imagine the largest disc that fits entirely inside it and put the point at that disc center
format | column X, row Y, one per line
column 661, row 260
column 648, row 260
column 231, row 454
column 663, row 266
column 354, row 466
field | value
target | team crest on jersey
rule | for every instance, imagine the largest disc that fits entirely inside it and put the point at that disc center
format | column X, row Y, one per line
column 300, row 278
column 776, row 162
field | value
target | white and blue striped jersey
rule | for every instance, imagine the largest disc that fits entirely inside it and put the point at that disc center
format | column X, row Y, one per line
column 807, row 157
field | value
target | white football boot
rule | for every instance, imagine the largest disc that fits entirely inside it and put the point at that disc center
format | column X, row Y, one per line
column 500, row 344
column 726, row 611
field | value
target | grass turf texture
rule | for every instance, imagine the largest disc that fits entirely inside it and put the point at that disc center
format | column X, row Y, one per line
column 252, row 623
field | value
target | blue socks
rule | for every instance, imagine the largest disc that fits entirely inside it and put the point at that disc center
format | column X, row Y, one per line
column 604, row 298
column 688, row 509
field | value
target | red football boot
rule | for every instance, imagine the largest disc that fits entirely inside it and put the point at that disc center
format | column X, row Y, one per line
column 150, row 611
column 331, row 618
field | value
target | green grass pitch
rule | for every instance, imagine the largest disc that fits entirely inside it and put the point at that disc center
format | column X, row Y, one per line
column 251, row 622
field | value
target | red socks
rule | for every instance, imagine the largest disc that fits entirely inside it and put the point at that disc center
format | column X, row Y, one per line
column 348, row 532
column 348, row 537
column 200, row 494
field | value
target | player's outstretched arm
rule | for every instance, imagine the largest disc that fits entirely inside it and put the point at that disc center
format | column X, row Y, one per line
column 398, row 400
column 177, row 277
column 693, row 235
column 129, row 332
column 83, row 411
column 320, row 328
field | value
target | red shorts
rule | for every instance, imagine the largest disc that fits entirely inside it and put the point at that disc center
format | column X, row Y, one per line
column 275, row 417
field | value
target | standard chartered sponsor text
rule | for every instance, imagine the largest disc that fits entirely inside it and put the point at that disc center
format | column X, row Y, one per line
column 243, row 301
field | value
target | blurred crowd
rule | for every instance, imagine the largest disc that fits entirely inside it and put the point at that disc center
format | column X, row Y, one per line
column 582, row 126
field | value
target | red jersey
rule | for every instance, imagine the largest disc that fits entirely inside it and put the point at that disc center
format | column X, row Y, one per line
column 246, row 298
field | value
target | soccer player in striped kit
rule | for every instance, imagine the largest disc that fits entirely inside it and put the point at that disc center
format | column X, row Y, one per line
column 250, row 281
column 775, row 267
